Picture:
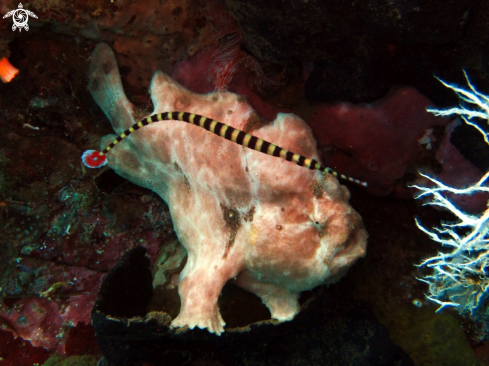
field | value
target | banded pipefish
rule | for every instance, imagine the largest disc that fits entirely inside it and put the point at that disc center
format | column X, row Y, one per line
column 97, row 159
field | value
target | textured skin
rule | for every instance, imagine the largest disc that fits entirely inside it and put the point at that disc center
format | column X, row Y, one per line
column 277, row 228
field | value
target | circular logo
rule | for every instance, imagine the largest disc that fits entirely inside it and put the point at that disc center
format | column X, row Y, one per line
column 20, row 17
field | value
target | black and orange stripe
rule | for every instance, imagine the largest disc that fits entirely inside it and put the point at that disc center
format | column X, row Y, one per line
column 232, row 134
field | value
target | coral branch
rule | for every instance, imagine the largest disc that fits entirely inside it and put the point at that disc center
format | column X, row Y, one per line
column 460, row 276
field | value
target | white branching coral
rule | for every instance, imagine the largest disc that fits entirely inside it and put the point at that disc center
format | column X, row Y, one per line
column 460, row 273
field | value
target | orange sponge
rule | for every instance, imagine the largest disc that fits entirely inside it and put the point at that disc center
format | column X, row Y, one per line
column 7, row 71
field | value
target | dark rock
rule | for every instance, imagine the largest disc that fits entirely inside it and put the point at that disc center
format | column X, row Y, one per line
column 333, row 328
column 127, row 289
column 361, row 49
column 471, row 144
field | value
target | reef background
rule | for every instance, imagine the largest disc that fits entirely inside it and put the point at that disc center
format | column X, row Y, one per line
column 63, row 228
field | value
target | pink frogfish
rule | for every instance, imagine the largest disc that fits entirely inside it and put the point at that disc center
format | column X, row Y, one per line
column 243, row 204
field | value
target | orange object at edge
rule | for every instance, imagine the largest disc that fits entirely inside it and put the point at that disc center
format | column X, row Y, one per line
column 7, row 71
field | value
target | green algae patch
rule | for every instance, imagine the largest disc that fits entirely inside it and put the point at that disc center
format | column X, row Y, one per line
column 86, row 360
column 429, row 338
column 57, row 360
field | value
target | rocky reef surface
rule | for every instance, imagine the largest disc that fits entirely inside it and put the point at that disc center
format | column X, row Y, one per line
column 64, row 229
